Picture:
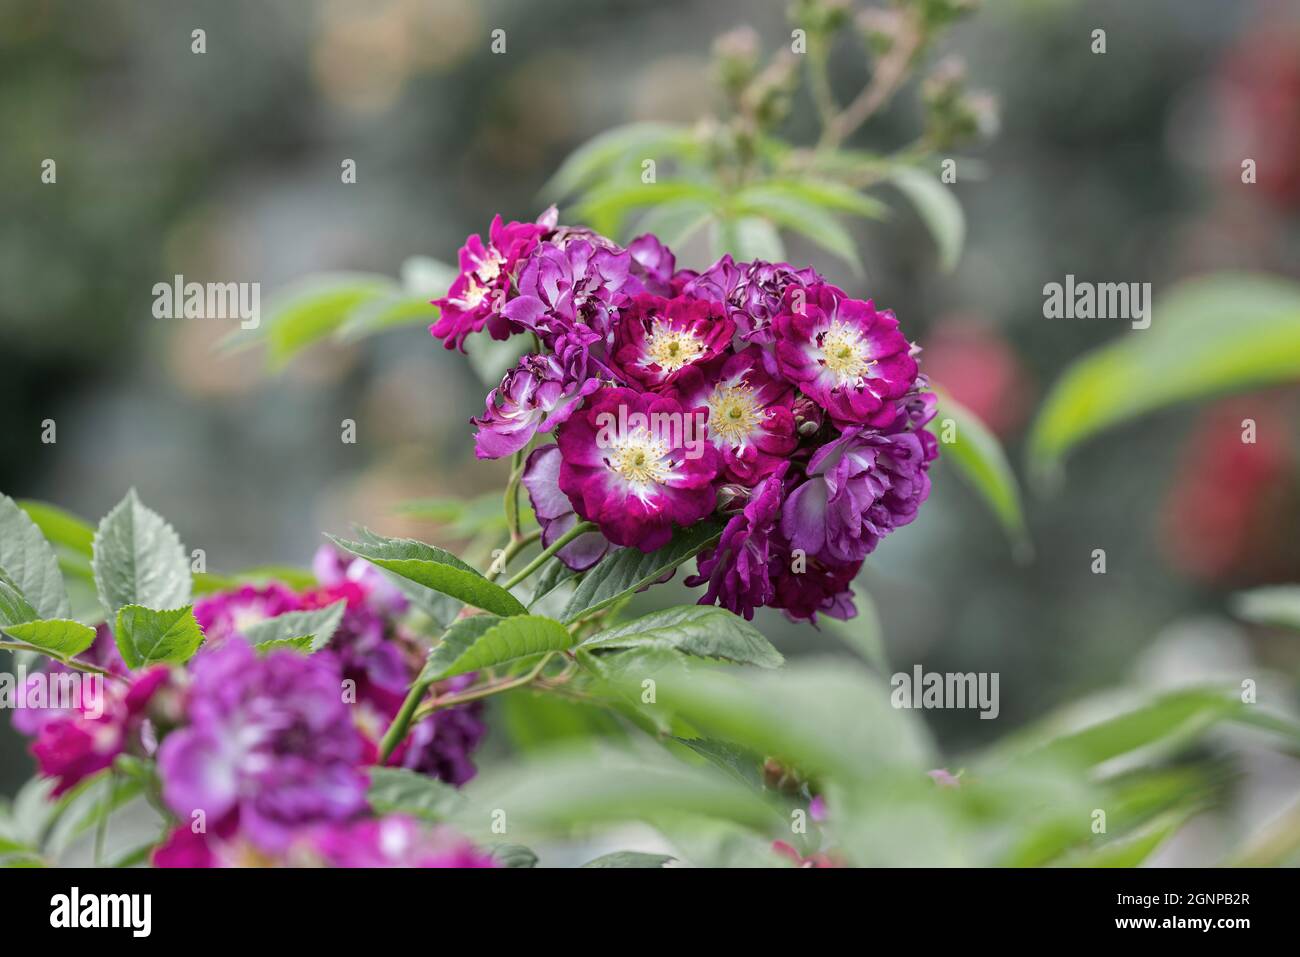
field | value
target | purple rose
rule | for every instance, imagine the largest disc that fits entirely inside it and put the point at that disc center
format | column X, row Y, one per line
column 535, row 396
column 555, row 512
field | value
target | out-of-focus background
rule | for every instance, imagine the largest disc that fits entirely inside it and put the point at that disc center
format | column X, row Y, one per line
column 225, row 166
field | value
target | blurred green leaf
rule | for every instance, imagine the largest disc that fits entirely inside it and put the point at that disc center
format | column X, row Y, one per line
column 863, row 633
column 704, row 631
column 799, row 215
column 606, row 208
column 492, row 358
column 1131, row 850
column 1209, row 335
column 600, row 156
column 1276, row 605
column 311, row 310
column 317, row 625
column 677, row 221
column 976, row 453
column 749, row 237
column 483, row 641
column 938, row 209
column 400, row 791
column 434, row 568
column 60, row 527
column 630, row 859
column 828, row 194
column 514, row 855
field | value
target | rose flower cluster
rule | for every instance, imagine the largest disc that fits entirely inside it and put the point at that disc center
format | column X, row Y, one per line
column 752, row 391
column 263, row 756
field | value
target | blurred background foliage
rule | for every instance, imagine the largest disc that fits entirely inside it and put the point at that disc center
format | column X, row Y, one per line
column 1125, row 166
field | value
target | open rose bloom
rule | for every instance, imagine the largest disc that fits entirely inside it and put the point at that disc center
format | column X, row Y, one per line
column 752, row 394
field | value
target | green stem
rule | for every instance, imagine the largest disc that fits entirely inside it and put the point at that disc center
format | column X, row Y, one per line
column 580, row 529
column 72, row 663
column 396, row 732
column 484, row 691
column 513, row 548
column 512, row 493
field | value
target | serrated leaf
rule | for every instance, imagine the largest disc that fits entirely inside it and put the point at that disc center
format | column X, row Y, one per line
column 146, row 636
column 14, row 608
column 483, row 641
column 434, row 568
column 317, row 626
column 630, row 859
column 30, row 562
column 302, row 643
column 58, row 636
column 630, row 569
column 139, row 559
column 938, row 209
column 977, row 454
column 704, row 631
column 1209, row 335
column 400, row 791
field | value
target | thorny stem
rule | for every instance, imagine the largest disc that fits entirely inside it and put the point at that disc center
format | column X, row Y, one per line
column 580, row 529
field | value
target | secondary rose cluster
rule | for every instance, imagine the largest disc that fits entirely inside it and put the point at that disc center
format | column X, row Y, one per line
column 813, row 409
column 265, row 757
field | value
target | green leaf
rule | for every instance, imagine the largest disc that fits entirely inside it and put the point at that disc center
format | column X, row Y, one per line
column 828, row 194
column 139, row 559
column 1171, row 719
column 317, row 625
column 606, row 209
column 562, row 789
column 399, row 791
column 704, row 631
column 312, row 310
column 1209, row 335
column 58, row 637
column 1276, row 605
column 636, row 142
column 938, row 209
column 826, row 717
column 630, row 569
column 514, row 855
column 434, row 568
column 30, row 562
column 483, row 641
column 677, row 221
column 149, row 637
column 630, row 859
column 423, row 279
column 302, row 643
column 1131, row 850
column 976, row 453
column 14, row 608
column 60, row 527
column 749, row 237
column 799, row 215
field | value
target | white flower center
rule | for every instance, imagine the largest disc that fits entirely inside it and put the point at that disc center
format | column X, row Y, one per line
column 733, row 413
column 670, row 349
column 641, row 459
column 844, row 353
column 474, row 294
column 490, row 268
